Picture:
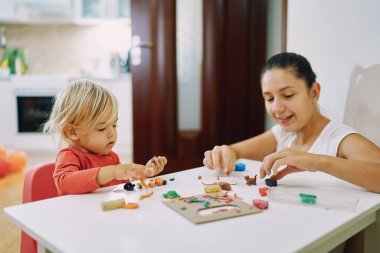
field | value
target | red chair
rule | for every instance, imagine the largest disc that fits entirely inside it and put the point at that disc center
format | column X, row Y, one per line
column 38, row 185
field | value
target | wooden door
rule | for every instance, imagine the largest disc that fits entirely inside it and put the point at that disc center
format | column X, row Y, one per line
column 232, row 107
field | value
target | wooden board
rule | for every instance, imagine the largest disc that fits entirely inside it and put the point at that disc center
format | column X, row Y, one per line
column 216, row 209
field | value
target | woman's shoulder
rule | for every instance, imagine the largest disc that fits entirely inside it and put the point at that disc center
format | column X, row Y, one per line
column 334, row 128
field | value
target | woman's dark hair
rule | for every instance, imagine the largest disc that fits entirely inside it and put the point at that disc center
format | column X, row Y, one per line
column 296, row 63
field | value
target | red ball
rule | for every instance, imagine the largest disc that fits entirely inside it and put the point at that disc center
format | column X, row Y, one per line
column 5, row 167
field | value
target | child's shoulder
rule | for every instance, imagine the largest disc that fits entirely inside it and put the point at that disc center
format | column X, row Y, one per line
column 72, row 151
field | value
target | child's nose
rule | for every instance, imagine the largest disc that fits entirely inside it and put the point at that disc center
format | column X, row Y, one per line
column 111, row 132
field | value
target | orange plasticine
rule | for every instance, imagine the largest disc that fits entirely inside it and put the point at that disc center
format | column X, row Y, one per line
column 146, row 195
column 131, row 205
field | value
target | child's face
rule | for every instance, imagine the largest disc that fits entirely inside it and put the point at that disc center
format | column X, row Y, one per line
column 99, row 140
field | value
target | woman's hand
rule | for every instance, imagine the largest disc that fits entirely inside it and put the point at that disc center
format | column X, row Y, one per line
column 220, row 158
column 155, row 166
column 294, row 160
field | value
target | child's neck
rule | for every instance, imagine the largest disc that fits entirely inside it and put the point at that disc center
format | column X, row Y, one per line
column 73, row 145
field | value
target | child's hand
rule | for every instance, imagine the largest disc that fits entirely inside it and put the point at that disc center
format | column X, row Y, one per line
column 155, row 165
column 130, row 171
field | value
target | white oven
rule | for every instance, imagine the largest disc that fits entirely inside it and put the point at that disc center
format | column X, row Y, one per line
column 32, row 98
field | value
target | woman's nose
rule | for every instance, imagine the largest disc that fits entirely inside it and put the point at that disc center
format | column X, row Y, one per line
column 277, row 106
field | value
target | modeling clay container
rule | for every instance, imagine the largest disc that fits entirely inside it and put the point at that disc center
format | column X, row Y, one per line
column 322, row 198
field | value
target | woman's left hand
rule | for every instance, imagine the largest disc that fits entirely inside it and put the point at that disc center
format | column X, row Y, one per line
column 294, row 160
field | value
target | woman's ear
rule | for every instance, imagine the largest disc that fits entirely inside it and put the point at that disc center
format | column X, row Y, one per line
column 315, row 92
column 71, row 132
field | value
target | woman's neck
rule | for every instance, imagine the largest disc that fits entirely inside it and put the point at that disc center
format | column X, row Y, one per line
column 309, row 133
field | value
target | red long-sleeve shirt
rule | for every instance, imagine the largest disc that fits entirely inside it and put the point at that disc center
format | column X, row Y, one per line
column 76, row 171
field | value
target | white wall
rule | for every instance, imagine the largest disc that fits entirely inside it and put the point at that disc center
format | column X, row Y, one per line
column 274, row 22
column 341, row 38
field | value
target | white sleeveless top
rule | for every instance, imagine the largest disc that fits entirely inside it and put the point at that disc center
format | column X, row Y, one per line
column 327, row 142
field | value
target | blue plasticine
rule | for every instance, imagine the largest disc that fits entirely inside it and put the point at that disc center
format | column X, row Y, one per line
column 239, row 167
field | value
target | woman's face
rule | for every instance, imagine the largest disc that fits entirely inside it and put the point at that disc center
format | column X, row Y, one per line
column 288, row 100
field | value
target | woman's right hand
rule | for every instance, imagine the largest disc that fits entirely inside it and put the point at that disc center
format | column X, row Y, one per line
column 220, row 158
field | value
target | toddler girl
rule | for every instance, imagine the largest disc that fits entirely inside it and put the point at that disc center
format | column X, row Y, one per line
column 84, row 117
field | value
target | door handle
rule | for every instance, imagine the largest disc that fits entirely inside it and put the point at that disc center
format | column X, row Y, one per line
column 137, row 44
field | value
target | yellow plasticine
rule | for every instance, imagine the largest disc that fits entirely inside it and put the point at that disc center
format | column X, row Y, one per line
column 142, row 181
column 112, row 204
column 212, row 188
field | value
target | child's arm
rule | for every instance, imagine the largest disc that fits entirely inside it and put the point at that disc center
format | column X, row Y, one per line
column 120, row 172
column 155, row 165
column 131, row 170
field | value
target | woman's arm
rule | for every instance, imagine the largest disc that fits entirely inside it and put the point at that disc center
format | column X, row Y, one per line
column 256, row 148
column 358, row 162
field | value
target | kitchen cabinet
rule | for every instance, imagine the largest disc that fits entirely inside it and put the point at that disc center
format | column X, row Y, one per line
column 80, row 12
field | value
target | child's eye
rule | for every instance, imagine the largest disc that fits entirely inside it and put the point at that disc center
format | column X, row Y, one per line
column 101, row 129
column 115, row 126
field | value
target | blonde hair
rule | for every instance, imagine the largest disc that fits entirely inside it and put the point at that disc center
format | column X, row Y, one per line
column 81, row 103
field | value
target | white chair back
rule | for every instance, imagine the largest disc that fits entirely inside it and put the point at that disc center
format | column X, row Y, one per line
column 362, row 110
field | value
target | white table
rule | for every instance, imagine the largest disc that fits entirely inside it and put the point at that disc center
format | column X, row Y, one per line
column 76, row 223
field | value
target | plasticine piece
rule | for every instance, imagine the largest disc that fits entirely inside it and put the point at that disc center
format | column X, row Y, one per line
column 164, row 182
column 142, row 181
column 112, row 204
column 239, row 167
column 270, row 182
column 199, row 177
column 171, row 195
column 129, row 186
column 151, row 183
column 308, row 198
column 146, row 195
column 230, row 180
column 131, row 205
column 250, row 180
column 236, row 196
column 260, row 203
column 212, row 188
column 171, row 179
column 158, row 181
column 263, row 191
column 225, row 186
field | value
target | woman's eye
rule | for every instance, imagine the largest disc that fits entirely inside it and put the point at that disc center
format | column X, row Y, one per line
column 101, row 129
column 269, row 99
column 115, row 126
column 289, row 96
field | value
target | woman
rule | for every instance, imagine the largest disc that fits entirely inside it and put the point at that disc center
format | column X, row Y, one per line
column 303, row 139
